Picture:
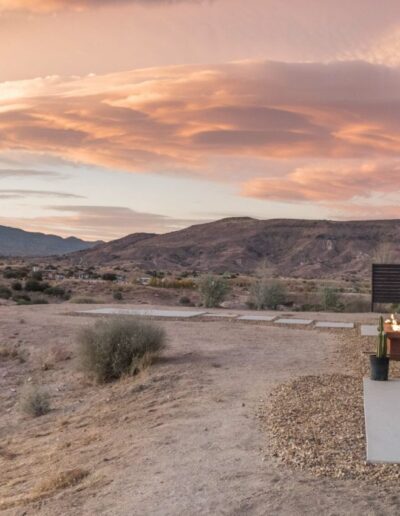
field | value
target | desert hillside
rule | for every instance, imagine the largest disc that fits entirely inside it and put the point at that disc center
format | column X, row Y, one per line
column 298, row 248
column 16, row 242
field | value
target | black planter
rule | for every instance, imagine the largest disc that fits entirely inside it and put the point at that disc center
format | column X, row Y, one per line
column 379, row 368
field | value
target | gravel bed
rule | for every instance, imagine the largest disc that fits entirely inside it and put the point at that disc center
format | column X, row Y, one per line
column 316, row 423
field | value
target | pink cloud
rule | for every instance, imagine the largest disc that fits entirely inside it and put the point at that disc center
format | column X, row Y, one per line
column 182, row 119
column 321, row 184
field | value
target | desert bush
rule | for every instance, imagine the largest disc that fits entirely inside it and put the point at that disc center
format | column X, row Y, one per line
column 109, row 276
column 357, row 304
column 330, row 299
column 33, row 285
column 213, row 290
column 185, row 301
column 15, row 273
column 5, row 292
column 172, row 283
column 37, row 276
column 117, row 295
column 55, row 291
column 84, row 300
column 22, row 299
column 267, row 294
column 16, row 285
column 34, row 401
column 114, row 347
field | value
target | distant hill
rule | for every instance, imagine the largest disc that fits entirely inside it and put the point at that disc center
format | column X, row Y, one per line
column 292, row 248
column 16, row 242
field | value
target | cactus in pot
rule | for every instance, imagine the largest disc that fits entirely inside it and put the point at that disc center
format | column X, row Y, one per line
column 381, row 349
column 380, row 361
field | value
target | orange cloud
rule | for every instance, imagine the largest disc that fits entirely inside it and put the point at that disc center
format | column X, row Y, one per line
column 319, row 184
column 179, row 119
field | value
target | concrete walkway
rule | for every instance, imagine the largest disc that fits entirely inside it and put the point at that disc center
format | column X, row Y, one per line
column 382, row 420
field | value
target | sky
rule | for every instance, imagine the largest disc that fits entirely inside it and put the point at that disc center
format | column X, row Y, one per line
column 119, row 116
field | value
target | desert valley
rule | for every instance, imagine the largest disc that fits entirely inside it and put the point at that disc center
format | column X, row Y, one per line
column 199, row 258
column 234, row 413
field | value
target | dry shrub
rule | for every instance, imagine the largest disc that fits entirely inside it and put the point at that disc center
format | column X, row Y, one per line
column 34, row 401
column 114, row 347
column 62, row 480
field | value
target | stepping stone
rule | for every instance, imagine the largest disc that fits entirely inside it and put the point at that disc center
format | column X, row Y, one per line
column 368, row 330
column 256, row 318
column 144, row 313
column 382, row 420
column 328, row 324
column 228, row 316
column 303, row 322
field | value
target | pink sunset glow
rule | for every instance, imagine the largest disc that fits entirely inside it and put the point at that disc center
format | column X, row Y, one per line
column 292, row 126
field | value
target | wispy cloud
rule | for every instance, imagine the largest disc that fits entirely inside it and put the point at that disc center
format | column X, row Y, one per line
column 26, row 173
column 20, row 194
column 99, row 222
column 56, row 5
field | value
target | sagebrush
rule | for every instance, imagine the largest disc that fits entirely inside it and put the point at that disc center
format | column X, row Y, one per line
column 34, row 401
column 213, row 290
column 115, row 347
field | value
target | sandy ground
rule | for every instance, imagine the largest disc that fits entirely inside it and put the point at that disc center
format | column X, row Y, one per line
column 183, row 438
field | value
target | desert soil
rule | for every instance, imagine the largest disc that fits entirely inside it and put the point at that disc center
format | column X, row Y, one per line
column 183, row 438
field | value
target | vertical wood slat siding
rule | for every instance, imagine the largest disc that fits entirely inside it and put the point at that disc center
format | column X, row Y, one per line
column 385, row 283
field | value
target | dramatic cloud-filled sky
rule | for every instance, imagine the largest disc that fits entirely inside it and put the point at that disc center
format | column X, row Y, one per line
column 119, row 116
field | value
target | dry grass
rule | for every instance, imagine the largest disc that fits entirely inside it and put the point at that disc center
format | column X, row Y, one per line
column 62, row 480
column 34, row 401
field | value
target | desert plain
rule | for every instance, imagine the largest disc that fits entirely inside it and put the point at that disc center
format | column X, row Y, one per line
column 189, row 435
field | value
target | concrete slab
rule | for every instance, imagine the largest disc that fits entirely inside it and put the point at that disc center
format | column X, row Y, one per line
column 257, row 317
column 330, row 324
column 223, row 315
column 302, row 322
column 382, row 420
column 368, row 330
column 144, row 313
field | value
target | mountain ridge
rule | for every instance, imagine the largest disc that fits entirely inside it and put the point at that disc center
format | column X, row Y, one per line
column 287, row 247
column 16, row 242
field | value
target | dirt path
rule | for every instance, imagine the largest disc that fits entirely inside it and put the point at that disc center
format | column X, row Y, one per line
column 189, row 441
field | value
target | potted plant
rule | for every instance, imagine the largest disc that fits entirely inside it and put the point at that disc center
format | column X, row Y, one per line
column 380, row 361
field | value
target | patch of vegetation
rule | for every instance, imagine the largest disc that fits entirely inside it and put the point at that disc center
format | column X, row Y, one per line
column 185, row 301
column 84, row 300
column 33, row 285
column 34, row 401
column 109, row 276
column 63, row 480
column 16, row 285
column 213, row 290
column 5, row 292
column 114, row 347
column 172, row 283
column 331, row 299
column 267, row 294
column 117, row 295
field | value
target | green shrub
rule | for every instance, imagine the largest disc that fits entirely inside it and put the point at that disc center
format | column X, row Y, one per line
column 22, row 299
column 5, row 292
column 34, row 401
column 32, row 285
column 118, row 346
column 37, row 276
column 117, row 295
column 185, row 301
column 55, row 291
column 330, row 298
column 213, row 290
column 267, row 294
column 109, row 276
column 16, row 285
